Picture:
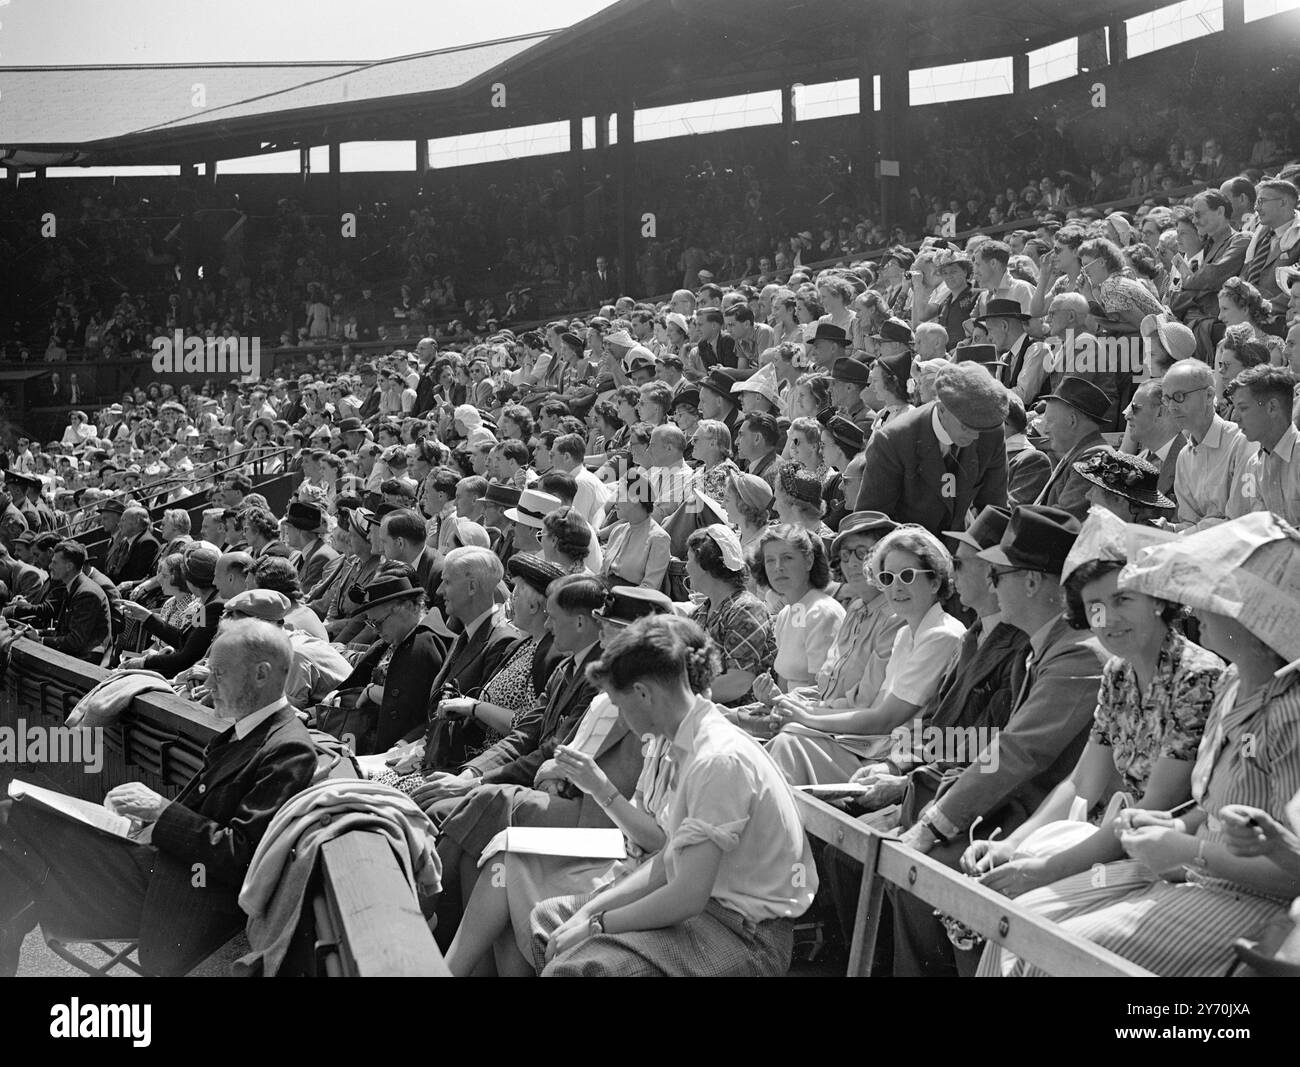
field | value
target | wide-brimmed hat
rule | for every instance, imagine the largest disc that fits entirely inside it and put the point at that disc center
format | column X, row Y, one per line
column 304, row 516
column 858, row 522
column 532, row 508
column 846, row 369
column 721, row 380
column 1002, row 308
column 1175, row 338
column 625, row 604
column 1037, row 538
column 1125, row 475
column 987, row 529
column 895, row 330
column 1083, row 396
column 500, row 494
column 385, row 589
column 984, row 355
column 828, row 331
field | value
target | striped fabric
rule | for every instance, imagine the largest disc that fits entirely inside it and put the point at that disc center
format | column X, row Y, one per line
column 1187, row 929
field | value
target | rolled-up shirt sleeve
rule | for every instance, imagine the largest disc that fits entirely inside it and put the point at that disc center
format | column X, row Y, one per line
column 718, row 793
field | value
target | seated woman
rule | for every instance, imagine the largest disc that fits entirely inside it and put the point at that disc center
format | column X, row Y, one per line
column 1181, row 898
column 820, row 745
column 278, row 573
column 711, row 445
column 500, row 921
column 1124, row 300
column 78, row 431
column 355, row 569
column 791, row 564
column 178, row 604
column 1156, row 691
column 734, row 617
column 190, row 642
column 718, row 900
column 638, row 549
column 747, row 500
column 567, row 539
column 1126, row 486
column 799, row 500
column 1234, row 354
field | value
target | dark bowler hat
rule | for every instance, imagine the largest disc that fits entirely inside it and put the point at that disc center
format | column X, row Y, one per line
column 862, row 522
column 350, row 425
column 845, row 432
column 689, row 395
column 828, row 331
column 535, row 571
column 899, row 365
column 845, row 369
column 1002, row 308
column 721, row 379
column 1038, row 538
column 385, row 590
column 1083, row 396
column 114, row 506
column 984, row 355
column 304, row 516
column 504, row 496
column 987, row 529
column 895, row 330
column 627, row 603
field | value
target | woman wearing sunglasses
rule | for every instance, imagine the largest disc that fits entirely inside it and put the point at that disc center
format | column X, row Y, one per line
column 819, row 746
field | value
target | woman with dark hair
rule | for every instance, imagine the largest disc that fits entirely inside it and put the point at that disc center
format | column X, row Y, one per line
column 792, row 564
column 638, row 549
column 718, row 899
column 1060, row 272
column 1126, row 302
column 888, row 379
column 566, row 539
column 278, row 573
column 1241, row 305
column 733, row 616
column 191, row 641
column 1155, row 695
column 1234, row 354
column 819, row 745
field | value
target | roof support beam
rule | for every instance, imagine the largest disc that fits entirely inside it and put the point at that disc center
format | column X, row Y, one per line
column 629, row 206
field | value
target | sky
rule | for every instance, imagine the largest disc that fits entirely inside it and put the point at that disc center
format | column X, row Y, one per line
column 76, row 32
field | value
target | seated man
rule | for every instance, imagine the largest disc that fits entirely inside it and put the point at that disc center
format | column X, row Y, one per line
column 176, row 886
column 79, row 622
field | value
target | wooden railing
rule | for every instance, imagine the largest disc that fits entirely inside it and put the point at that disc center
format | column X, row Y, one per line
column 361, row 919
column 996, row 918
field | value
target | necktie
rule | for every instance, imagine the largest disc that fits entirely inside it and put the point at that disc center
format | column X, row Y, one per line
column 1263, row 243
column 1151, row 457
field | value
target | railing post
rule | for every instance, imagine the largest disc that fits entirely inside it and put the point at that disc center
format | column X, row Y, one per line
column 866, row 922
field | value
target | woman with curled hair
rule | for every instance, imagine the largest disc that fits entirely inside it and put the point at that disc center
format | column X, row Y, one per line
column 732, row 615
column 279, row 574
column 1235, row 353
column 711, row 445
column 836, row 294
column 1241, row 305
column 812, row 393
column 499, row 922
column 791, row 564
column 1125, row 301
column 638, row 549
column 817, row 745
column 566, row 539
column 179, row 603
column 718, row 899
column 1155, row 696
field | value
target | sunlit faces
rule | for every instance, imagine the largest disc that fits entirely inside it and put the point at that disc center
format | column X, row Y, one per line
column 1125, row 622
column 787, row 569
column 908, row 598
column 970, row 576
column 805, row 450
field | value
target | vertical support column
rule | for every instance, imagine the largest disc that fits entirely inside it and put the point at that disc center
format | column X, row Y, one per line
column 891, row 44
column 304, row 164
column 1020, row 73
column 576, row 177
column 421, row 165
column 1117, row 41
column 787, row 125
column 210, row 171
column 336, row 188
column 866, row 112
column 629, row 211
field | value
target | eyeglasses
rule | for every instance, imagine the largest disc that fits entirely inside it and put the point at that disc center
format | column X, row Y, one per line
column 1182, row 395
column 907, row 576
column 860, row 553
column 996, row 575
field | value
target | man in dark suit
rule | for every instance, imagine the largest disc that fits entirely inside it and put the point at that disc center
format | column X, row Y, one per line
column 135, row 559
column 12, row 522
column 175, row 887
column 519, row 784
column 1055, row 691
column 1153, row 435
column 1072, row 424
column 79, row 622
column 304, row 533
column 21, row 579
column 602, row 284
column 933, row 464
column 470, row 577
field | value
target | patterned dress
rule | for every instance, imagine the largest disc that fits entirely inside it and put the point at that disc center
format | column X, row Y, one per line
column 1250, row 754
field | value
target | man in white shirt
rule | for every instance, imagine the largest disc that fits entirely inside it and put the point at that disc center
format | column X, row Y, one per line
column 669, row 474
column 1206, row 480
column 991, row 259
column 1270, row 478
column 568, row 455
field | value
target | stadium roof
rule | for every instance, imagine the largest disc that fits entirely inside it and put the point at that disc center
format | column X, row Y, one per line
column 655, row 52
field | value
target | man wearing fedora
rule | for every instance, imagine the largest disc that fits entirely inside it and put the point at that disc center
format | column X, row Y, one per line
column 848, row 378
column 1072, row 422
column 827, row 344
column 717, row 401
column 1054, row 696
column 932, row 464
column 496, row 500
column 303, row 523
column 1006, row 324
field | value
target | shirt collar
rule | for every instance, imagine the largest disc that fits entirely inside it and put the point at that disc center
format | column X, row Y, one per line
column 1285, row 447
column 688, row 730
column 472, row 627
column 1038, row 639
column 249, row 723
column 1213, row 436
column 945, row 439
column 989, row 623
column 1016, row 442
column 1162, row 453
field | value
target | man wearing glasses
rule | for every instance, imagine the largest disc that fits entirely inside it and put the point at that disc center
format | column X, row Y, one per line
column 1275, row 242
column 1207, row 478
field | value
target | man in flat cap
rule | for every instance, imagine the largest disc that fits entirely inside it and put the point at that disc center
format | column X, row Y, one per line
column 932, row 464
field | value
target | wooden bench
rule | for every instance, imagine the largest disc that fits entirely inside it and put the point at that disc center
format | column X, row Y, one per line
column 360, row 920
column 991, row 915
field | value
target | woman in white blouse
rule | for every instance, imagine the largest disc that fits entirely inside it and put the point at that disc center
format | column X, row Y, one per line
column 638, row 549
column 818, row 745
column 78, row 430
column 792, row 563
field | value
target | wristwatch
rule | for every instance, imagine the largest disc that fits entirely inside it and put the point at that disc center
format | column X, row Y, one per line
column 597, row 923
column 609, row 797
column 935, row 832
